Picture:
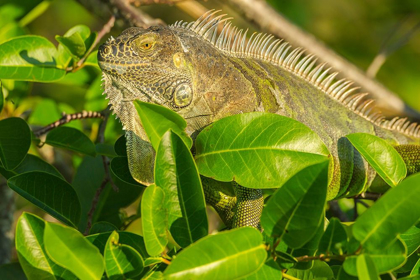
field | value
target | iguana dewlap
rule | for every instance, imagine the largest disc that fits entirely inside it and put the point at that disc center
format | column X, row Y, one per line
column 205, row 76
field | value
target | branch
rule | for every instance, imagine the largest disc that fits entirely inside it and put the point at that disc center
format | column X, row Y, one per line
column 66, row 119
column 267, row 19
column 369, row 196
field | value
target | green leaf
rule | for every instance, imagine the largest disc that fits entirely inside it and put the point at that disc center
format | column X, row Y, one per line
column 121, row 173
column 381, row 156
column 154, row 220
column 270, row 270
column 50, row 193
column 343, row 275
column 69, row 248
column 393, row 214
column 15, row 140
column 12, row 271
column 34, row 163
column 334, row 239
column 366, row 268
column 285, row 260
column 416, row 268
column 220, row 254
column 31, row 252
column 386, row 260
column 411, row 238
column 101, row 227
column 77, row 41
column 157, row 119
column 296, row 209
column 45, row 111
column 121, row 261
column 257, row 150
column 133, row 240
column 309, row 248
column 177, row 175
column 72, row 139
column 73, row 43
column 29, row 58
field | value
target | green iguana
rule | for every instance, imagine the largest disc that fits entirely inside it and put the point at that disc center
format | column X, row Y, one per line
column 205, row 76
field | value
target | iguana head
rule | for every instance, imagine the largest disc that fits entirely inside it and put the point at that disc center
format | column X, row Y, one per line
column 147, row 64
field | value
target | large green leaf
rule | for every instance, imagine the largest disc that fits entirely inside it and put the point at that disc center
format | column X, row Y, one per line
column 257, row 150
column 71, row 250
column 157, row 119
column 319, row 271
column 121, row 260
column 366, row 268
column 334, row 239
column 29, row 58
column 154, row 220
column 32, row 163
column 385, row 260
column 15, row 139
column 177, row 175
column 296, row 209
column 50, row 193
column 31, row 252
column 72, row 139
column 121, row 173
column 393, row 214
column 381, row 156
column 226, row 255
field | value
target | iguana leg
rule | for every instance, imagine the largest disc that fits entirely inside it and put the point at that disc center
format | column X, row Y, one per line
column 411, row 156
column 249, row 207
column 241, row 209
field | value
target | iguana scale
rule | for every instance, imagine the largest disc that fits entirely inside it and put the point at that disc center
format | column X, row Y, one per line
column 205, row 76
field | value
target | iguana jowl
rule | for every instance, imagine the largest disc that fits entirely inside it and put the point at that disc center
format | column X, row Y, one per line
column 204, row 76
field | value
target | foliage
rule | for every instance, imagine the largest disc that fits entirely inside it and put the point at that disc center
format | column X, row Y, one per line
column 167, row 234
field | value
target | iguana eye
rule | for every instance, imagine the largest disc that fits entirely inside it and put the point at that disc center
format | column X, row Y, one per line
column 183, row 95
column 146, row 45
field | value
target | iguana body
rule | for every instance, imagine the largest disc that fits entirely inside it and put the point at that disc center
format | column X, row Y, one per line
column 204, row 77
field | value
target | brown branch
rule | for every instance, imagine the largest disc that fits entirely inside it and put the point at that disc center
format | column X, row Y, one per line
column 139, row 3
column 369, row 196
column 133, row 16
column 267, row 19
column 322, row 257
column 66, row 119
column 94, row 205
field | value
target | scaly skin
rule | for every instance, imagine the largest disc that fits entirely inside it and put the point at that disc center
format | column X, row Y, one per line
column 179, row 68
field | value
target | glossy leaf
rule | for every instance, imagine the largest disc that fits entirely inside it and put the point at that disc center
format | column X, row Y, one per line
column 233, row 254
column 50, row 193
column 319, row 270
column 177, row 175
column 381, row 156
column 121, row 173
column 257, row 150
column 411, row 238
column 385, row 259
column 334, row 239
column 29, row 58
column 366, row 268
column 393, row 214
column 69, row 248
column 416, row 269
column 15, row 139
column 270, row 270
column 133, row 240
column 157, row 119
column 72, row 139
column 154, row 220
column 31, row 251
column 296, row 209
column 101, row 227
column 77, row 40
column 121, row 260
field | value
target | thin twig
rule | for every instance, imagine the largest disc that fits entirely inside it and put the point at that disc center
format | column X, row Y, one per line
column 94, row 205
column 321, row 257
column 355, row 212
column 369, row 196
column 134, row 16
column 66, row 119
column 139, row 3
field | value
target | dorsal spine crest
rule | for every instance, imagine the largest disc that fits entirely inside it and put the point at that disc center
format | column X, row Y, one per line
column 233, row 42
